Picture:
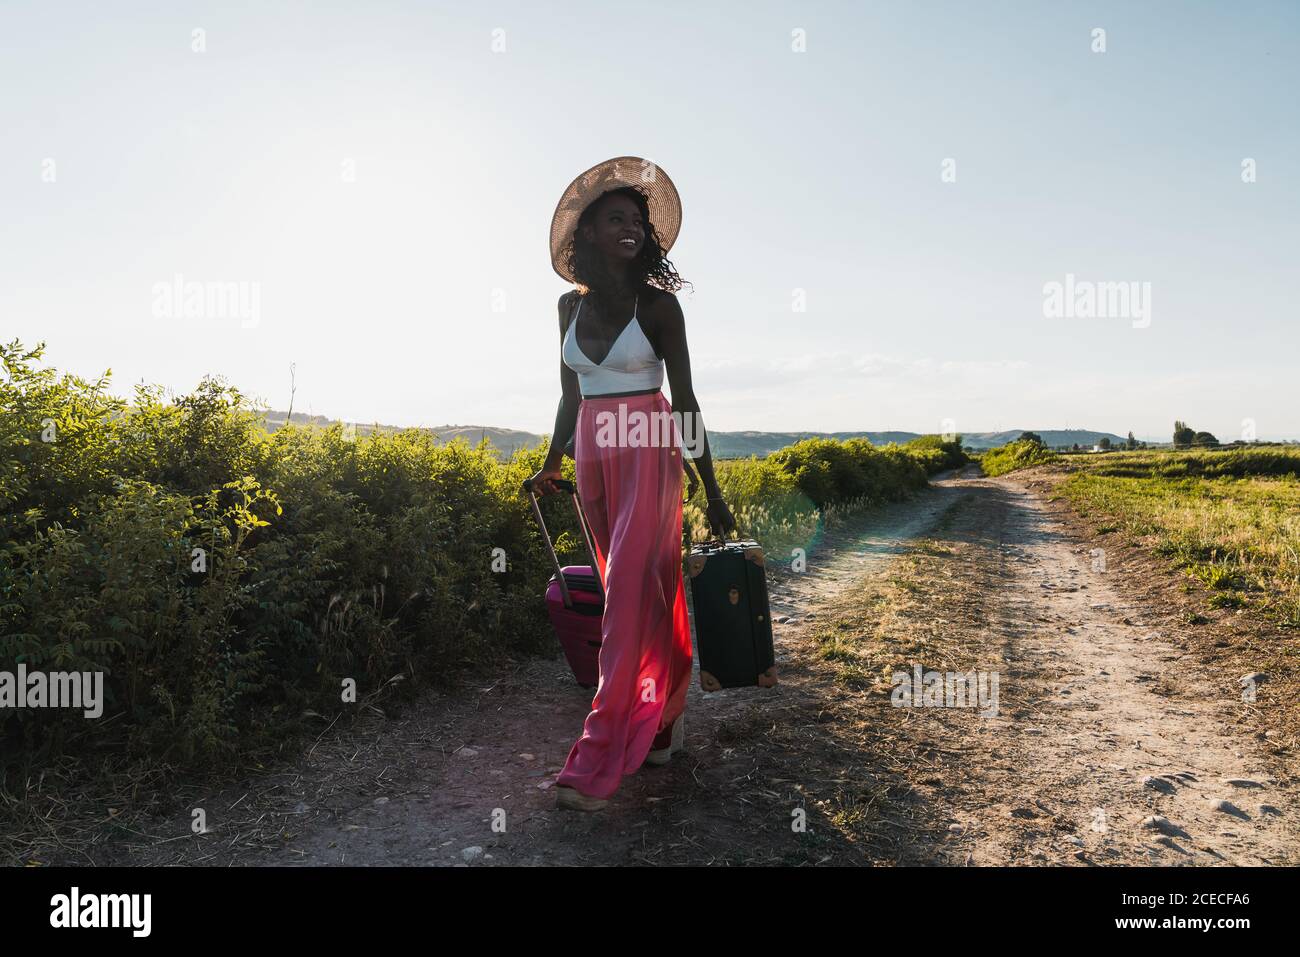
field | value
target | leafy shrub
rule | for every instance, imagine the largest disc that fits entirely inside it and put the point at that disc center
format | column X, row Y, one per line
column 319, row 559
column 1019, row 454
column 936, row 453
column 827, row 471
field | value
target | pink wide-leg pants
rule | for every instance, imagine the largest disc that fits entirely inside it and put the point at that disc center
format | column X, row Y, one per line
column 630, row 485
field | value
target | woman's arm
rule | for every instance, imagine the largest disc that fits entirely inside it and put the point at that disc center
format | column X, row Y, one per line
column 566, row 416
column 670, row 328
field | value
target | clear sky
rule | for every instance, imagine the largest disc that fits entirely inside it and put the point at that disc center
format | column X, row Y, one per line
column 384, row 179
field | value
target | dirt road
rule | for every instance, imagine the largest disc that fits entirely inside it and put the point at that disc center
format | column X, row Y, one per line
column 1103, row 721
column 1120, row 748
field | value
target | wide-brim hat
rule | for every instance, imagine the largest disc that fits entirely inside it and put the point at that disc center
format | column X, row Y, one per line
column 665, row 204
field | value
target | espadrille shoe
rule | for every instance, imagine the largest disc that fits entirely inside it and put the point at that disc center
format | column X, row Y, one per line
column 677, row 740
column 575, row 800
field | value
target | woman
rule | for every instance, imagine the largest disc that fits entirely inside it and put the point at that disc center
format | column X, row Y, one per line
column 609, row 237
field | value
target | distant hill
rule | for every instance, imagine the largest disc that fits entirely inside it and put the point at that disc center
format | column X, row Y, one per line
column 725, row 445
column 728, row 445
column 734, row 445
column 1053, row 438
column 503, row 440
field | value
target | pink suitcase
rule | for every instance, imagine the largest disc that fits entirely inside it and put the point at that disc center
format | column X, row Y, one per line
column 574, row 597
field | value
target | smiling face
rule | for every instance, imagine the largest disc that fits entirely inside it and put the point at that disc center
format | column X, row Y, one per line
column 617, row 231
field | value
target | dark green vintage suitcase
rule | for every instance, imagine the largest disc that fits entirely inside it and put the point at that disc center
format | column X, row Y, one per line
column 733, row 626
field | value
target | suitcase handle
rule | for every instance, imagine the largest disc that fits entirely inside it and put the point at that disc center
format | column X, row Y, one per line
column 691, row 543
column 571, row 488
column 719, row 542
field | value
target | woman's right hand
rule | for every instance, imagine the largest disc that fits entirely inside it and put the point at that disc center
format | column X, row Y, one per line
column 543, row 481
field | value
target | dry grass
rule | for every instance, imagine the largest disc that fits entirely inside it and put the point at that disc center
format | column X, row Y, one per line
column 933, row 608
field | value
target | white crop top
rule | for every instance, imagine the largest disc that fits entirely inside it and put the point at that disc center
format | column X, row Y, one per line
column 631, row 365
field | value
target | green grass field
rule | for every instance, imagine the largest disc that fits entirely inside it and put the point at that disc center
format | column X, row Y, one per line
column 1230, row 517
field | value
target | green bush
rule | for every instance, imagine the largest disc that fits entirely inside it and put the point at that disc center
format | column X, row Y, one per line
column 937, row 453
column 322, row 559
column 1020, row 454
column 827, row 471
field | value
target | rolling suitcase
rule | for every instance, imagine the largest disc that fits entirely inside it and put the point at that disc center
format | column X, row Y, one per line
column 575, row 599
column 733, row 624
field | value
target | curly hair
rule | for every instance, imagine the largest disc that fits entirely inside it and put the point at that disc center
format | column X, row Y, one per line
column 650, row 266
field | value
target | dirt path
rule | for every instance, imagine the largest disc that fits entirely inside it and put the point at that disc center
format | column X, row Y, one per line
column 1125, row 726
column 820, row 769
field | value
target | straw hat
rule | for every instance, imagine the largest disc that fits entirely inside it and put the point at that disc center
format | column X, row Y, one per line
column 665, row 205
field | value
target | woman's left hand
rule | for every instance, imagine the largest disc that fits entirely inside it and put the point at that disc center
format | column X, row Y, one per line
column 720, row 518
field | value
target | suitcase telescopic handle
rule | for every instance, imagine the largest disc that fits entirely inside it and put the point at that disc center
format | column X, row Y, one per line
column 562, row 484
column 572, row 489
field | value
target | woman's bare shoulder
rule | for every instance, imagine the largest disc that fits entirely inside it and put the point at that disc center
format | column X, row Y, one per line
column 565, row 307
column 664, row 311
